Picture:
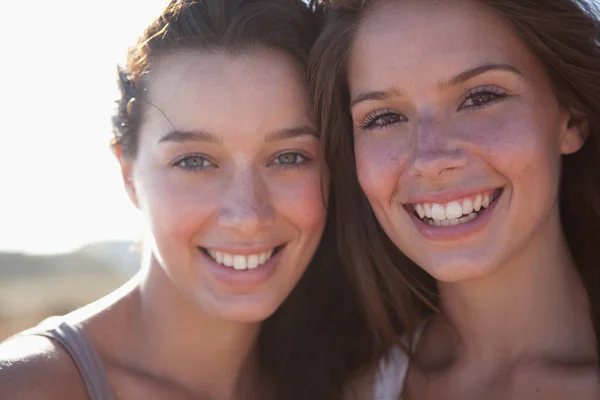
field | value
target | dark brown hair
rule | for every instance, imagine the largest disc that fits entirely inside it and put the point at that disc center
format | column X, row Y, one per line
column 565, row 36
column 318, row 339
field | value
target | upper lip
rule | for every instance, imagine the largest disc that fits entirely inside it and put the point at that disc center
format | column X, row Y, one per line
column 449, row 195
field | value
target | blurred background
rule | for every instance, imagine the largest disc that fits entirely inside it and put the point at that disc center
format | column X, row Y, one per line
column 68, row 232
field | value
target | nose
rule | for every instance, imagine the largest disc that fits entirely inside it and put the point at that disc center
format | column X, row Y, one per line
column 246, row 206
column 436, row 152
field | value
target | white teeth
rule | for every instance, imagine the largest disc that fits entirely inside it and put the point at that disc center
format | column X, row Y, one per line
column 438, row 212
column 262, row 257
column 239, row 262
column 467, row 207
column 252, row 261
column 486, row 201
column 477, row 203
column 269, row 254
column 452, row 213
column 453, row 210
column 419, row 209
column 427, row 208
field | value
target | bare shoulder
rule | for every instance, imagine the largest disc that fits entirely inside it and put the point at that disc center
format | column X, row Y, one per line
column 579, row 382
column 35, row 367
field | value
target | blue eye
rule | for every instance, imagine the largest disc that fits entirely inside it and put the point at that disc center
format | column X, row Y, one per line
column 482, row 96
column 193, row 163
column 381, row 119
column 290, row 159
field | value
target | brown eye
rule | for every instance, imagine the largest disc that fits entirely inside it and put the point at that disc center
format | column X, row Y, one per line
column 381, row 119
column 387, row 119
column 480, row 97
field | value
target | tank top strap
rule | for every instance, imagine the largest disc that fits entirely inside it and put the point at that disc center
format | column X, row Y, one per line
column 393, row 368
column 390, row 375
column 76, row 342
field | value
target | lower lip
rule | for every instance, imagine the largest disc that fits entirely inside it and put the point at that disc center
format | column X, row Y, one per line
column 455, row 232
column 245, row 277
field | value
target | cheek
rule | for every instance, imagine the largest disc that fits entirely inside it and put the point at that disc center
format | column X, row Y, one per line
column 379, row 162
column 513, row 138
column 300, row 198
column 175, row 208
column 523, row 149
column 516, row 143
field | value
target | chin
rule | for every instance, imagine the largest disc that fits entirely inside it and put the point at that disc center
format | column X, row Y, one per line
column 244, row 310
column 453, row 271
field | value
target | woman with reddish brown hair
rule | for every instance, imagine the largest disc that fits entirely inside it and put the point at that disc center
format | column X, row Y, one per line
column 241, row 295
column 463, row 139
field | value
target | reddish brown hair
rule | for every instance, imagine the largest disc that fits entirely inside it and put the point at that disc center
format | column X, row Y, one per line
column 318, row 339
column 565, row 36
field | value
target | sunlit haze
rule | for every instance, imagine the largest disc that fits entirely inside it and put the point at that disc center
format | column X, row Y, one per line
column 59, row 183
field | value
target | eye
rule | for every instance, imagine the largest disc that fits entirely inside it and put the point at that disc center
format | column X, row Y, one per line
column 193, row 163
column 290, row 159
column 482, row 96
column 381, row 119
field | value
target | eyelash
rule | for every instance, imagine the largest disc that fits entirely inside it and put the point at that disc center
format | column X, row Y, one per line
column 370, row 121
column 179, row 163
column 495, row 92
column 301, row 159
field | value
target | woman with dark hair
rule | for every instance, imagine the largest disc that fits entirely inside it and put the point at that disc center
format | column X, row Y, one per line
column 463, row 140
column 236, row 299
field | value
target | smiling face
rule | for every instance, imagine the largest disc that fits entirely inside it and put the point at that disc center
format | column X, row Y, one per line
column 228, row 175
column 458, row 135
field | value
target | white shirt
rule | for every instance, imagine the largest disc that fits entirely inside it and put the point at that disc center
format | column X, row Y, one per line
column 390, row 376
column 391, row 373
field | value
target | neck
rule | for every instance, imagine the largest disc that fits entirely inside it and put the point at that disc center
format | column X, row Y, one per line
column 535, row 306
column 175, row 340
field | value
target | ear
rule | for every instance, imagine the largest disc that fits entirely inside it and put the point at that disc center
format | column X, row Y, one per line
column 575, row 132
column 126, row 164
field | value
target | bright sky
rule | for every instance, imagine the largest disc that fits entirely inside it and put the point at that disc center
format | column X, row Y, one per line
column 59, row 184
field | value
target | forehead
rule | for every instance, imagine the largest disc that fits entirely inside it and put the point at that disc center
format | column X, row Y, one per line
column 216, row 91
column 414, row 38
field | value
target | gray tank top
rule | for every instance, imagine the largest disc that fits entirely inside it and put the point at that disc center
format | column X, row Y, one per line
column 81, row 350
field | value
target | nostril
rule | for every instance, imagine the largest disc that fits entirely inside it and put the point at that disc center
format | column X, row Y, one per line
column 436, row 163
column 246, row 216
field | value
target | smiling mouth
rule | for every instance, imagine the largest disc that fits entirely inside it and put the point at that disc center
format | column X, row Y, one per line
column 455, row 212
column 240, row 262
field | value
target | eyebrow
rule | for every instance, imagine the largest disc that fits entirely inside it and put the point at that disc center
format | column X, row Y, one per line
column 290, row 133
column 203, row 136
column 376, row 95
column 190, row 136
column 458, row 79
column 473, row 72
